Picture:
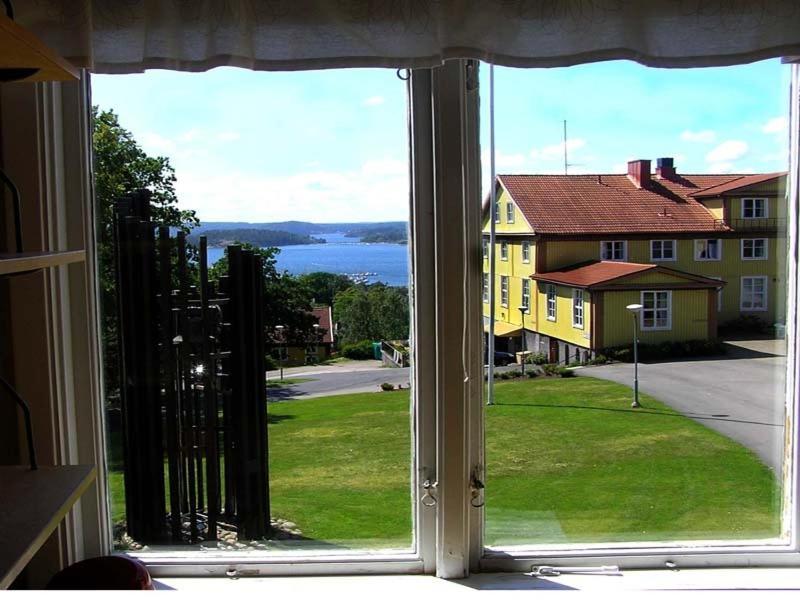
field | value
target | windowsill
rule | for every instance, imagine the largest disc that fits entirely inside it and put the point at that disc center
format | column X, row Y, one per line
column 409, row 586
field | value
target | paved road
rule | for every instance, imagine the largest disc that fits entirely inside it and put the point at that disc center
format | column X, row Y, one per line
column 329, row 382
column 739, row 395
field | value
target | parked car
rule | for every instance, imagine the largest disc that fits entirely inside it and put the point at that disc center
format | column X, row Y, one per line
column 501, row 359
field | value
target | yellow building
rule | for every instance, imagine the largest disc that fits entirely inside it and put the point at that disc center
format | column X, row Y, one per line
column 572, row 251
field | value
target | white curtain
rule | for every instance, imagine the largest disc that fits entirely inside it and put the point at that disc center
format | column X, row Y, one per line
column 123, row 36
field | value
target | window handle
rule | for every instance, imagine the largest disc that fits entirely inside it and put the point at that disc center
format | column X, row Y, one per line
column 428, row 498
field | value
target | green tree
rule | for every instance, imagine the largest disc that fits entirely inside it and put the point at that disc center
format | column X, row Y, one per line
column 121, row 167
column 371, row 312
column 324, row 286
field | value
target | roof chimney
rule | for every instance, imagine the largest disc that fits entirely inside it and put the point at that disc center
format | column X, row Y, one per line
column 639, row 172
column 665, row 169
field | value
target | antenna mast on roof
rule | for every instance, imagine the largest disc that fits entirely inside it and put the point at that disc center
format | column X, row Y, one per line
column 565, row 147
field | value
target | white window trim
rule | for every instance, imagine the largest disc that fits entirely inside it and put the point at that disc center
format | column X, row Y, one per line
column 766, row 249
column 551, row 288
column 485, row 283
column 624, row 250
column 765, row 279
column 485, row 249
column 504, row 251
column 668, row 326
column 674, row 251
column 696, row 250
column 526, row 283
column 575, row 304
column 504, row 290
column 510, row 211
column 522, row 251
column 766, row 207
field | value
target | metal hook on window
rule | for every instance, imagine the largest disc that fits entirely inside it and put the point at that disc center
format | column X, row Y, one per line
column 428, row 499
column 476, row 485
column 407, row 74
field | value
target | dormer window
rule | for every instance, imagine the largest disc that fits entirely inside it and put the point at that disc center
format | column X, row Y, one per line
column 754, row 208
column 509, row 212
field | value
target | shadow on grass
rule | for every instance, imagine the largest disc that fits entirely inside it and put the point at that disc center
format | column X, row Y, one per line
column 645, row 410
column 274, row 419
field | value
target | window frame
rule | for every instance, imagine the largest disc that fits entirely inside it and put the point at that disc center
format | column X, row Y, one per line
column 504, row 291
column 525, row 249
column 613, row 250
column 525, row 295
column 485, row 286
column 551, row 302
column 504, row 251
column 510, row 216
column 655, row 309
column 577, row 308
column 706, row 240
column 662, row 259
column 765, row 241
column 765, row 281
column 764, row 204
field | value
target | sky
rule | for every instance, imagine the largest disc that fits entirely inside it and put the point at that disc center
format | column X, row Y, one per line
column 331, row 146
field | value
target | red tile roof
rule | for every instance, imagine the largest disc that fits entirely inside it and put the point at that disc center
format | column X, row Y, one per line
column 325, row 320
column 593, row 273
column 577, row 204
column 740, row 182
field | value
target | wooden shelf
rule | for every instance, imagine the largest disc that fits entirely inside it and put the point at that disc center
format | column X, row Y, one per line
column 32, row 504
column 20, row 49
column 31, row 261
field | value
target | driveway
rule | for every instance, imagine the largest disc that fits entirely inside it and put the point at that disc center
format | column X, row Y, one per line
column 333, row 382
column 740, row 395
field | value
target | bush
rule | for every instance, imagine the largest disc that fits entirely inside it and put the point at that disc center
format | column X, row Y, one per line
column 537, row 358
column 550, row 369
column 271, row 363
column 358, row 351
column 666, row 350
column 746, row 324
column 599, row 359
column 505, row 375
column 531, row 374
column 387, row 387
column 565, row 372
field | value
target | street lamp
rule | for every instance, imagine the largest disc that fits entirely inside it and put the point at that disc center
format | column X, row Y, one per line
column 315, row 358
column 522, row 310
column 636, row 310
column 282, row 340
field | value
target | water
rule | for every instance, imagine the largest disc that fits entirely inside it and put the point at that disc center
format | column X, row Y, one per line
column 342, row 255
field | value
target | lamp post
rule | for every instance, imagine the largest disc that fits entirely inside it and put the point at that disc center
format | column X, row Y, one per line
column 522, row 310
column 282, row 340
column 316, row 343
column 636, row 310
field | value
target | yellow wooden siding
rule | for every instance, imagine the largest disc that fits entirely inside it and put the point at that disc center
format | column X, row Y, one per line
column 562, row 327
column 716, row 207
column 689, row 318
column 520, row 224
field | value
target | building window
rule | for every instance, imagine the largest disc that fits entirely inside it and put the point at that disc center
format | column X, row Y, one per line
column 503, row 290
column 509, row 212
column 526, row 252
column 754, row 208
column 657, row 311
column 754, row 249
column 754, row 293
column 503, row 250
column 577, row 309
column 486, row 287
column 662, row 250
column 616, row 250
column 707, row 249
column 551, row 302
column 485, row 249
column 497, row 210
column 526, row 295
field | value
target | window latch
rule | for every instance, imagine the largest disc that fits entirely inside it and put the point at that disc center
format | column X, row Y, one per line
column 428, row 498
column 545, row 571
column 476, row 486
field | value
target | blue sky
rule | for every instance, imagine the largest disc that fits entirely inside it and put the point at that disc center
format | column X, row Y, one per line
column 331, row 146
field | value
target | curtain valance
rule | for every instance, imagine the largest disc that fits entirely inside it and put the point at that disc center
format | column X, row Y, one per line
column 123, row 36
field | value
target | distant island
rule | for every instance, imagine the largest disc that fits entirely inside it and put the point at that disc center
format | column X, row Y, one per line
column 393, row 232
column 263, row 238
column 379, row 233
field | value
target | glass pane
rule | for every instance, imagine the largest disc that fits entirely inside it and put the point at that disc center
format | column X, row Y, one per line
column 265, row 406
column 569, row 460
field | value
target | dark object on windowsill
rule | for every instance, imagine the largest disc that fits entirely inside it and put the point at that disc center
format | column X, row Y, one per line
column 9, row 75
column 103, row 573
column 26, row 411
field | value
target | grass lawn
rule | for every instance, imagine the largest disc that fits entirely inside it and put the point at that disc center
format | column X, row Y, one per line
column 568, row 461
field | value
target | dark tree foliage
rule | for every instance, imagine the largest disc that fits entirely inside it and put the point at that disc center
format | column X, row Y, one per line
column 121, row 167
column 324, row 286
column 371, row 312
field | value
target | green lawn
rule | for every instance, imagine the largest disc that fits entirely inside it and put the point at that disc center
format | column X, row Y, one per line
column 568, row 461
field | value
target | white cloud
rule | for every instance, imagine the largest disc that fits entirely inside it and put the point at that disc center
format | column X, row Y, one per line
column 727, row 151
column 776, row 125
column 720, row 167
column 153, row 143
column 557, row 150
column 503, row 162
column 705, row 136
column 374, row 101
column 228, row 136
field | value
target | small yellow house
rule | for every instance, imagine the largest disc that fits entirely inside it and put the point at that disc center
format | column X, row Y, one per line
column 699, row 250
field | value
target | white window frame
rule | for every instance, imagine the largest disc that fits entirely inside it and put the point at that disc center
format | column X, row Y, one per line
column 742, row 244
column 497, row 210
column 614, row 250
column 504, row 290
column 577, row 308
column 526, row 252
column 510, row 212
column 655, row 309
column 697, row 250
column 653, row 257
column 755, row 201
column 525, row 295
column 486, row 288
column 551, row 302
column 765, row 281
column 504, row 251
column 485, row 248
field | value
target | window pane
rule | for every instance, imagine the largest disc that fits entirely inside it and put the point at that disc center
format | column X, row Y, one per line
column 569, row 461
column 266, row 406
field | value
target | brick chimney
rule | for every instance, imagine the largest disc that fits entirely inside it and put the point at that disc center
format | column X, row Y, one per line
column 639, row 172
column 665, row 169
